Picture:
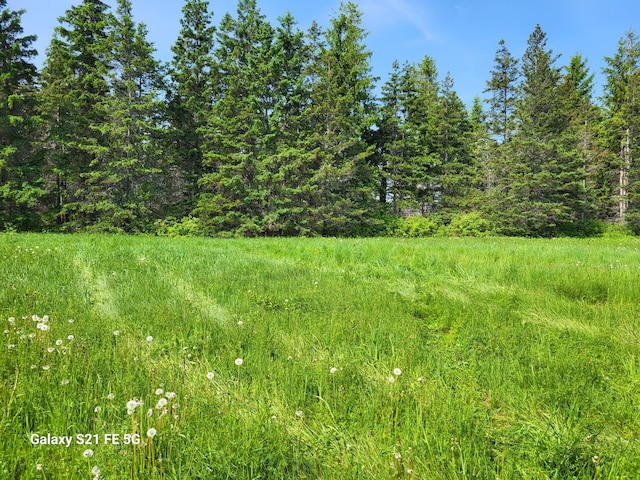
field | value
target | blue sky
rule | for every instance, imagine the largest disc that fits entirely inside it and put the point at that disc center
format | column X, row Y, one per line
column 460, row 35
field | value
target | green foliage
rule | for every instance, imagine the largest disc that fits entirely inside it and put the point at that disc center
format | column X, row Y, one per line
column 418, row 226
column 21, row 182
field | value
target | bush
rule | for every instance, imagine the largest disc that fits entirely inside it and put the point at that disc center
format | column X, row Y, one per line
column 172, row 227
column 417, row 226
column 470, row 224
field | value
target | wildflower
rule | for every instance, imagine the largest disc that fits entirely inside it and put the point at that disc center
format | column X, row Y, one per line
column 135, row 359
column 32, row 336
column 299, row 413
column 45, row 319
column 210, row 375
column 391, row 379
column 45, row 367
column 50, row 349
column 95, row 471
column 64, row 382
column 132, row 404
column 70, row 337
column 39, row 466
column 151, row 432
column 12, row 346
column 111, row 396
column 71, row 320
column 238, row 361
column 58, row 342
column 33, row 367
column 88, row 453
column 397, row 372
column 240, row 323
column 97, row 409
column 150, row 412
column 159, row 391
column 149, row 338
column 170, row 395
column 12, row 320
column 333, row 370
column 161, row 403
column 116, row 332
column 289, row 358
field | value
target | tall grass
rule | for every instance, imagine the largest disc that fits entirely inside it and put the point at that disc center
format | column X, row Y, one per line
column 361, row 359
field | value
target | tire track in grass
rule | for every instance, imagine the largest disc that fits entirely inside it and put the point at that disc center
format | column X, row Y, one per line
column 195, row 298
column 96, row 287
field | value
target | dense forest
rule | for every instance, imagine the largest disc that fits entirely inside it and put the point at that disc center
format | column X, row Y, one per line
column 261, row 129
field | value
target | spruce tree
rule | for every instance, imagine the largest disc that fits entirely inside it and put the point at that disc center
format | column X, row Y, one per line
column 21, row 183
column 190, row 98
column 124, row 184
column 342, row 200
column 622, row 127
column 455, row 180
column 238, row 133
column 546, row 186
column 74, row 90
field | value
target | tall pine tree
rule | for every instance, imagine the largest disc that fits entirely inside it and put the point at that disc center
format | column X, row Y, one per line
column 622, row 127
column 21, row 185
column 75, row 85
column 190, row 98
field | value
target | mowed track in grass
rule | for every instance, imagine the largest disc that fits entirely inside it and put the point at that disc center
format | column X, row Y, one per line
column 364, row 358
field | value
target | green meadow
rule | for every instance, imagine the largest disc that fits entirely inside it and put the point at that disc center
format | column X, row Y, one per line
column 492, row 358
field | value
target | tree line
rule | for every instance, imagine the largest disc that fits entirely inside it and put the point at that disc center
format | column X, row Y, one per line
column 258, row 129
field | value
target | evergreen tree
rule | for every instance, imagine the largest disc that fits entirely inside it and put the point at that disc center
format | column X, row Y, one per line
column 422, row 167
column 286, row 163
column 622, row 127
column 20, row 166
column 74, row 89
column 504, row 94
column 454, row 149
column 545, row 184
column 239, row 133
column 123, row 183
column 584, row 117
column 190, row 98
column 342, row 199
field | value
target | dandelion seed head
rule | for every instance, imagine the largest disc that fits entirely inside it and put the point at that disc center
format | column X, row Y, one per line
column 170, row 395
column 88, row 453
column 98, row 409
column 159, row 391
column 64, row 382
column 150, row 412
column 391, row 379
column 116, row 332
column 397, row 372
column 132, row 404
column 161, row 403
column 111, row 396
column 12, row 346
column 210, row 375
column 151, row 432
column 95, row 471
column 71, row 320
column 58, row 342
column 70, row 337
column 50, row 349
column 12, row 320
column 149, row 338
column 240, row 323
column 238, row 361
column 39, row 466
column 46, row 367
column 299, row 413
column 333, row 370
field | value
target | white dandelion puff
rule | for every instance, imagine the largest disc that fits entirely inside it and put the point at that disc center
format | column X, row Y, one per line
column 151, row 432
column 170, row 395
column 111, row 396
column 88, row 453
column 50, row 349
column 46, row 367
column 238, row 361
column 98, row 409
column 397, row 372
column 150, row 412
column 210, row 375
column 159, row 391
column 64, row 382
column 58, row 342
column 149, row 338
column 116, row 332
column 333, row 370
column 95, row 471
column 70, row 337
column 161, row 403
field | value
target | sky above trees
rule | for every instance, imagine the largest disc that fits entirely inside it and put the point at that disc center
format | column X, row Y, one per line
column 462, row 36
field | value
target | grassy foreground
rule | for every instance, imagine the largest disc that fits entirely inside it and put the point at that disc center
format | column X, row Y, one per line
column 319, row 358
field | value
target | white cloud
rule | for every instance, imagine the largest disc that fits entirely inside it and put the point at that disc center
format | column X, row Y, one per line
column 379, row 14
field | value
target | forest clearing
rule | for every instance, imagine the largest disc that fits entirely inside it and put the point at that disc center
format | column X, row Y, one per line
column 142, row 357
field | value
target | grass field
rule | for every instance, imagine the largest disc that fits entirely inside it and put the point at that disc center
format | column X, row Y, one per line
column 319, row 358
